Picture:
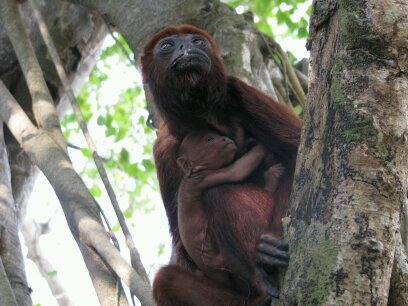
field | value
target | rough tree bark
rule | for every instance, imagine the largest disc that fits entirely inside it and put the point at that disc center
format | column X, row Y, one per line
column 346, row 217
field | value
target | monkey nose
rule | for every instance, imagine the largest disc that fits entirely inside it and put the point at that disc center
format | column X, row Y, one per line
column 186, row 47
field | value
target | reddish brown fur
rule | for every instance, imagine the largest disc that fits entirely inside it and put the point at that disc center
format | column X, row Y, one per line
column 177, row 286
column 228, row 105
column 213, row 201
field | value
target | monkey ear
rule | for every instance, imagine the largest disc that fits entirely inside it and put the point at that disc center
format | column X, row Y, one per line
column 185, row 165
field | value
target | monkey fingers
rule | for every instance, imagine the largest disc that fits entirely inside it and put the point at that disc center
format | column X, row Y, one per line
column 272, row 252
column 268, row 284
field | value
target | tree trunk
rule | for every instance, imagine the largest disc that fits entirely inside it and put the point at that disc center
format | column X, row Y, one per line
column 351, row 181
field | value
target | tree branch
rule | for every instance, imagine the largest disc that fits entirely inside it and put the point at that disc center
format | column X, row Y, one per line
column 287, row 70
column 79, row 206
column 43, row 105
column 32, row 232
column 14, row 289
column 6, row 292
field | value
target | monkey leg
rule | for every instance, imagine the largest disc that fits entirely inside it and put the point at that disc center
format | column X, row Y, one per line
column 176, row 286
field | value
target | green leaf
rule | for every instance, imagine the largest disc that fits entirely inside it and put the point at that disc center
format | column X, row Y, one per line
column 128, row 213
column 160, row 249
column 52, row 273
column 142, row 120
column 100, row 120
column 302, row 33
column 148, row 164
column 116, row 228
column 131, row 169
column 96, row 191
column 292, row 57
column 121, row 133
column 124, row 156
column 86, row 152
column 298, row 110
column 110, row 131
column 267, row 10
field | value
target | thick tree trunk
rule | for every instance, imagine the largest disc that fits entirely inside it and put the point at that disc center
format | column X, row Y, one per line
column 352, row 173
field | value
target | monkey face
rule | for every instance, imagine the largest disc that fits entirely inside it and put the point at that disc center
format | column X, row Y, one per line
column 184, row 53
column 220, row 150
column 208, row 150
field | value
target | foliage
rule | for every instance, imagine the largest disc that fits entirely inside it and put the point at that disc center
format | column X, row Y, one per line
column 283, row 12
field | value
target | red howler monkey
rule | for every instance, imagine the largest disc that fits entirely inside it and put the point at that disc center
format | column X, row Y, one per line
column 207, row 160
column 191, row 91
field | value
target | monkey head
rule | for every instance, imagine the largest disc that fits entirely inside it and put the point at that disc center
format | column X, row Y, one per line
column 184, row 72
column 205, row 150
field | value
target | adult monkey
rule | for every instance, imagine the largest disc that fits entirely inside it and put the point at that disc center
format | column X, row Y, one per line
column 191, row 91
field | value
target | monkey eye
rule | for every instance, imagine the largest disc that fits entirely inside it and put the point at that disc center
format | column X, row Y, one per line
column 210, row 138
column 198, row 41
column 166, row 44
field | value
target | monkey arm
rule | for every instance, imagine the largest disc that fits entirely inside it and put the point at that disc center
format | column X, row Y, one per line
column 272, row 124
column 237, row 171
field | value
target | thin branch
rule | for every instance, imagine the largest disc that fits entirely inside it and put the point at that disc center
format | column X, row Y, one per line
column 297, row 88
column 285, row 76
column 121, row 47
column 32, row 232
column 78, row 204
column 304, row 82
column 134, row 254
column 43, row 105
column 287, row 67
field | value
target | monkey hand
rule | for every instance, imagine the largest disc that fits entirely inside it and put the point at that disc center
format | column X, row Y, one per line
column 272, row 251
column 271, row 254
column 259, row 150
column 272, row 176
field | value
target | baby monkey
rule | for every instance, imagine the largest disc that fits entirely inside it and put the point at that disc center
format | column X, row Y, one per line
column 219, row 231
